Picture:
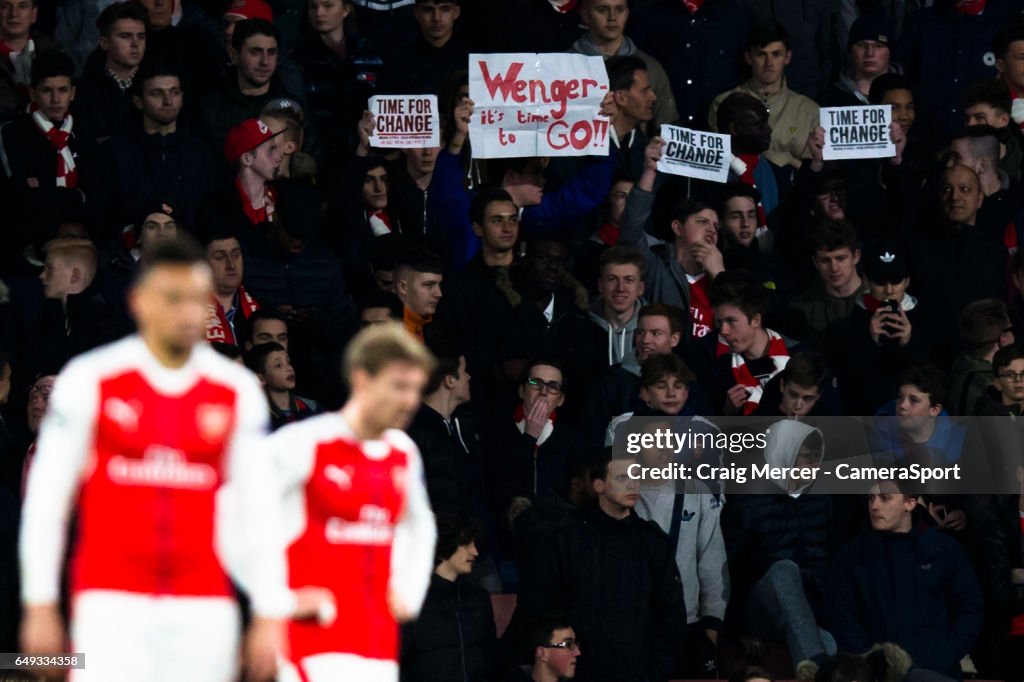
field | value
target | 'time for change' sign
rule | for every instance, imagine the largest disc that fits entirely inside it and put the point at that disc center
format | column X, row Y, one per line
column 405, row 121
column 537, row 105
column 857, row 132
column 695, row 154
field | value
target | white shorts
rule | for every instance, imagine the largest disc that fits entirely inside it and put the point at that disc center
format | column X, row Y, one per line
column 134, row 637
column 339, row 667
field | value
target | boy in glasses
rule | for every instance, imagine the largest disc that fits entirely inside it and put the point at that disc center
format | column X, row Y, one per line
column 555, row 650
column 984, row 328
column 538, row 451
column 1006, row 394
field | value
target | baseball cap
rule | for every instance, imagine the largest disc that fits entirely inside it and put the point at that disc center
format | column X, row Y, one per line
column 249, row 9
column 245, row 137
column 886, row 262
column 870, row 26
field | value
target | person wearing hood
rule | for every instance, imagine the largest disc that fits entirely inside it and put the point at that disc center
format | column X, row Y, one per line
column 614, row 312
column 690, row 517
column 882, row 335
column 907, row 585
column 780, row 547
column 606, row 25
column 453, row 638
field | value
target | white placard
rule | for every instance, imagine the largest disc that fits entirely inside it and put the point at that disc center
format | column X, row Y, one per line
column 537, row 105
column 860, row 132
column 695, row 154
column 405, row 121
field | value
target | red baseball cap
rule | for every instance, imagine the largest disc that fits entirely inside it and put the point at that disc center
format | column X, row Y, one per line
column 249, row 9
column 245, row 137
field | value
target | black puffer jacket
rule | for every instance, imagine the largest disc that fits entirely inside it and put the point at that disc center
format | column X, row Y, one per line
column 453, row 640
column 619, row 581
column 458, row 471
column 179, row 168
column 760, row 530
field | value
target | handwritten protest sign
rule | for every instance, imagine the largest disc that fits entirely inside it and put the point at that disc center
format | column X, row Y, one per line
column 405, row 121
column 860, row 132
column 537, row 105
column 695, row 154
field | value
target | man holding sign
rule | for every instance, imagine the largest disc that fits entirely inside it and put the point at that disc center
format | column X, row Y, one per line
column 692, row 257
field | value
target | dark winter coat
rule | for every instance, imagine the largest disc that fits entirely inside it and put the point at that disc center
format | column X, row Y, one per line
column 453, row 639
column 914, row 589
column 619, row 581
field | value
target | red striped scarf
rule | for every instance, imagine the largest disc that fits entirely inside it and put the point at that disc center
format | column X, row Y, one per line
column 67, row 175
column 741, row 373
column 218, row 329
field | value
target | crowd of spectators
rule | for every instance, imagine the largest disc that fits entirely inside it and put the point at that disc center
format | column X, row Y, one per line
column 563, row 296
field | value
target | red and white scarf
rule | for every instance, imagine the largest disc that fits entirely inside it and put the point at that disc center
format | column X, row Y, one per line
column 971, row 8
column 262, row 214
column 67, row 176
column 217, row 326
column 692, row 6
column 519, row 415
column 380, row 223
column 20, row 63
column 564, row 6
column 741, row 373
column 1017, row 108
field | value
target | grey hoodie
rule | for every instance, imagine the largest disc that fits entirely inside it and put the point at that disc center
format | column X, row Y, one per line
column 782, row 445
column 665, row 107
column 620, row 341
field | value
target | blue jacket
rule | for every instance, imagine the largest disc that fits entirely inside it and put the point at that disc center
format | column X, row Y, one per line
column 449, row 202
column 914, row 589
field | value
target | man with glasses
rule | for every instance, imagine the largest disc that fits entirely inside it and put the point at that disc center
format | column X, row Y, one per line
column 984, row 329
column 616, row 575
column 1006, row 395
column 555, row 650
column 38, row 401
column 537, row 451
